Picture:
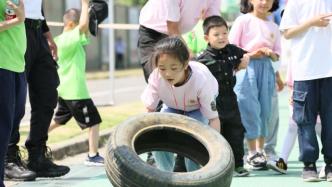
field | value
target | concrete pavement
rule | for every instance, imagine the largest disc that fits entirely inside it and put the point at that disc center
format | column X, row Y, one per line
column 81, row 176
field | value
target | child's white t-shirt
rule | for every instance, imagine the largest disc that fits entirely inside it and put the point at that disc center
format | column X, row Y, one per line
column 311, row 50
column 199, row 92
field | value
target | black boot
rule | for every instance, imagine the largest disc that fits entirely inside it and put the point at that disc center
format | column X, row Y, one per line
column 179, row 165
column 15, row 169
column 40, row 161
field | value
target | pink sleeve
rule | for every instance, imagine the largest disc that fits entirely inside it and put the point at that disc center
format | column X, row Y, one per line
column 214, row 8
column 235, row 34
column 277, row 44
column 289, row 75
column 150, row 96
column 173, row 10
column 207, row 98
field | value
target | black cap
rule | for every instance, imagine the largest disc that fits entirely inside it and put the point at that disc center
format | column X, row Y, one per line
column 98, row 12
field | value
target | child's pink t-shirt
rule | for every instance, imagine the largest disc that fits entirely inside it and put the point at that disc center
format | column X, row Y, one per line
column 199, row 92
column 252, row 33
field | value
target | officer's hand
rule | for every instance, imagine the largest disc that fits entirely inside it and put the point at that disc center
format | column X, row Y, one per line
column 54, row 49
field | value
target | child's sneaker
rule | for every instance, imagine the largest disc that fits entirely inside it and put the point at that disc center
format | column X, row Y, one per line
column 328, row 172
column 150, row 160
column 310, row 173
column 240, row 172
column 322, row 173
column 96, row 160
column 278, row 166
column 257, row 161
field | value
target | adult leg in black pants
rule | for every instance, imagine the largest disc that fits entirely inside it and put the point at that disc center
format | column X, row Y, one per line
column 42, row 81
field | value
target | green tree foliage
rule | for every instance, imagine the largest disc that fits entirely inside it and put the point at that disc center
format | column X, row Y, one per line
column 131, row 2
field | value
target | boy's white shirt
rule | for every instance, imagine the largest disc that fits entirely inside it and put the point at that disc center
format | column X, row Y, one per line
column 312, row 50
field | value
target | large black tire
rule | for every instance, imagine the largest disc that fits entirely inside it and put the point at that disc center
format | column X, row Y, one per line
column 173, row 133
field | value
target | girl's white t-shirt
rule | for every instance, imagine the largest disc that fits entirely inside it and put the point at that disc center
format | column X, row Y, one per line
column 199, row 92
column 311, row 50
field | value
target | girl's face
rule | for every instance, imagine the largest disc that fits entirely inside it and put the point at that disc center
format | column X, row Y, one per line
column 262, row 6
column 217, row 37
column 171, row 69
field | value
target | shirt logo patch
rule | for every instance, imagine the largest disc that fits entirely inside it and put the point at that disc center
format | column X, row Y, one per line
column 213, row 106
column 192, row 101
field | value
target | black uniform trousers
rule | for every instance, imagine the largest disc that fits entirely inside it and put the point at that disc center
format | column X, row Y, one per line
column 42, row 78
column 231, row 126
column 147, row 39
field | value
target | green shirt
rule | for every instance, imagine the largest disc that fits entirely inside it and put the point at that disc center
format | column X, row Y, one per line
column 195, row 39
column 12, row 45
column 72, row 65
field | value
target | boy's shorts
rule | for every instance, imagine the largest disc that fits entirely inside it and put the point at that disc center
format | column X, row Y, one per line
column 84, row 111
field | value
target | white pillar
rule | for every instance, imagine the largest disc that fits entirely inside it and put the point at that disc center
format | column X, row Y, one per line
column 111, row 50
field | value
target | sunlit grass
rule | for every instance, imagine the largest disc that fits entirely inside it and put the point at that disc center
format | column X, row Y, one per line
column 111, row 116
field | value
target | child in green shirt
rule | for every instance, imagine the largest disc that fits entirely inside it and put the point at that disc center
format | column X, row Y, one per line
column 12, row 77
column 195, row 40
column 74, row 99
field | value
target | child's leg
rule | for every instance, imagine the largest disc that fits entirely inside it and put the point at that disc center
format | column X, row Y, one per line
column 247, row 97
column 251, row 143
column 289, row 140
column 266, row 88
column 318, row 127
column 260, row 144
column 62, row 115
column 87, row 116
column 165, row 160
column 233, row 131
column 196, row 114
column 273, row 126
column 93, row 140
column 53, row 126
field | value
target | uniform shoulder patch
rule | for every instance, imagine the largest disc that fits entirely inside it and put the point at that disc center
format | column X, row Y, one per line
column 213, row 105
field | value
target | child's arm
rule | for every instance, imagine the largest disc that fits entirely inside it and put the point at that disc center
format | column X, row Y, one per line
column 279, row 81
column 215, row 123
column 244, row 62
column 264, row 52
column 269, row 52
column 84, row 18
column 51, row 44
column 318, row 21
column 20, row 16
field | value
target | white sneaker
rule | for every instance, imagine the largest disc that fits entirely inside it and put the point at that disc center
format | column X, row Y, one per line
column 322, row 173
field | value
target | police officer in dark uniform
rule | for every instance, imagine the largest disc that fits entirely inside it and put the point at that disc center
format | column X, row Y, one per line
column 223, row 60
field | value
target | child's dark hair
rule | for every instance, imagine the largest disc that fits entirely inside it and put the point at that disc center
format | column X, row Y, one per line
column 213, row 21
column 247, row 7
column 172, row 46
